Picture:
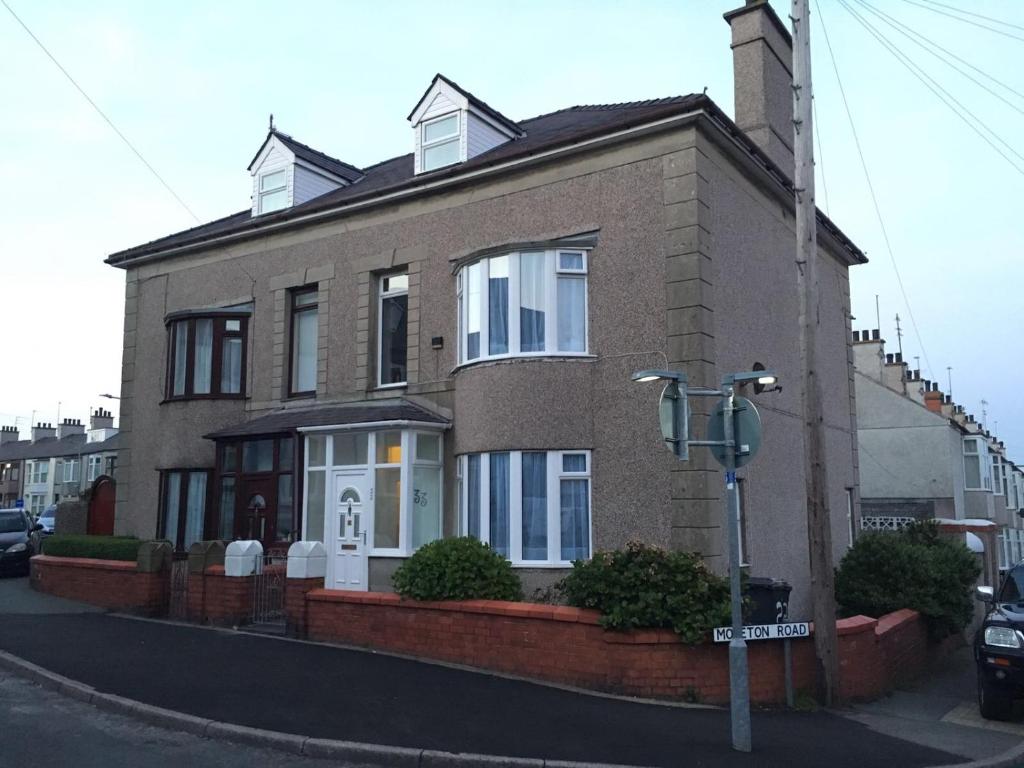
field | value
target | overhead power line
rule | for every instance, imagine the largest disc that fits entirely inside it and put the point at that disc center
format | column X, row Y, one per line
column 100, row 111
column 917, row 38
column 947, row 98
column 871, row 188
column 967, row 21
column 975, row 15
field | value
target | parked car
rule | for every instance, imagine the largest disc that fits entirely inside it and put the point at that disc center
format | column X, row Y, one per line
column 16, row 542
column 999, row 647
column 48, row 519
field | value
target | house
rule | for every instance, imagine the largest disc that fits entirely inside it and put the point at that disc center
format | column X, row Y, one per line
column 441, row 343
column 922, row 457
column 57, row 463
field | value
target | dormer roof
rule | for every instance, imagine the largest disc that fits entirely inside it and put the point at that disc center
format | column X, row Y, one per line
column 331, row 165
column 421, row 106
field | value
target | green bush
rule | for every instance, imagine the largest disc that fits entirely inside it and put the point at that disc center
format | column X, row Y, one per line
column 96, row 547
column 457, row 569
column 643, row 586
column 914, row 568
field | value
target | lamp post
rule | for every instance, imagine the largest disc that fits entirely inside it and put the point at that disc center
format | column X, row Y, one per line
column 676, row 433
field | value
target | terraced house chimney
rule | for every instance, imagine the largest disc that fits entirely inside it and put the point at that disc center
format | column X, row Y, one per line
column 8, row 435
column 41, row 431
column 70, row 427
column 762, row 65
column 101, row 419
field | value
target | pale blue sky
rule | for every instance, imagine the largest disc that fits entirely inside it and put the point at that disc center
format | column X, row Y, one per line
column 191, row 85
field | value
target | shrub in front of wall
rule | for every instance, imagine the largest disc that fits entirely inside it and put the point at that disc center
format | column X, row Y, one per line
column 914, row 568
column 647, row 587
column 95, row 547
column 457, row 569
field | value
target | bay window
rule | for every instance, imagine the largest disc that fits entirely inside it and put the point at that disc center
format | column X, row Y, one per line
column 523, row 303
column 533, row 507
column 206, row 356
column 304, row 338
column 183, row 506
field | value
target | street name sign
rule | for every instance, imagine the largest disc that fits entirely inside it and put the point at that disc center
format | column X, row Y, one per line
column 766, row 632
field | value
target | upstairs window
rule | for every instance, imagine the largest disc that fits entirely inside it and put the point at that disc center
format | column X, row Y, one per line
column 998, row 485
column 392, row 353
column 976, row 465
column 95, row 468
column 71, row 470
column 304, row 338
column 206, row 357
column 38, row 472
column 273, row 191
column 523, row 303
column 440, row 141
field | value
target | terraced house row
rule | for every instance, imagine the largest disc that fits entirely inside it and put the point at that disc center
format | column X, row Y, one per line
column 441, row 343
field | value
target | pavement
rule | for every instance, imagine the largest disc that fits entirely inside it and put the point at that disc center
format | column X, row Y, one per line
column 325, row 692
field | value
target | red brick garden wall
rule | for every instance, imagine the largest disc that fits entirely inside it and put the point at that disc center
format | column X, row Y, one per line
column 113, row 584
column 214, row 598
column 566, row 645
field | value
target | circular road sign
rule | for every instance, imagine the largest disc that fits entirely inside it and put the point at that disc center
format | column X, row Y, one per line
column 747, row 430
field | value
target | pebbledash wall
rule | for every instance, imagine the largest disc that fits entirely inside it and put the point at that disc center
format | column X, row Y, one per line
column 692, row 267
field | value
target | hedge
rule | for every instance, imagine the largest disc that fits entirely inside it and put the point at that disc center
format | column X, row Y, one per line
column 93, row 547
column 457, row 569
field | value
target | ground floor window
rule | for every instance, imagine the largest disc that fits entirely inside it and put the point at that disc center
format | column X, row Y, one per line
column 36, row 503
column 533, row 507
column 400, row 474
column 183, row 506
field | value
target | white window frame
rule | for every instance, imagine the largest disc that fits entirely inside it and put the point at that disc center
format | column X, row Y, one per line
column 36, row 504
column 262, row 193
column 551, row 274
column 984, row 470
column 381, row 295
column 95, row 468
column 446, row 139
column 38, row 472
column 71, row 471
column 997, row 474
column 555, row 475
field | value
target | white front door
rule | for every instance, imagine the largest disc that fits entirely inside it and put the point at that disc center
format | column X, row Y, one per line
column 349, row 515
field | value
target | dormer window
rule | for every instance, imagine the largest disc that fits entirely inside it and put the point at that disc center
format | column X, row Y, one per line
column 273, row 191
column 452, row 126
column 440, row 142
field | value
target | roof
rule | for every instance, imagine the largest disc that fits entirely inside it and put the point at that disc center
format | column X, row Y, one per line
column 544, row 133
column 332, row 165
column 349, row 415
column 50, row 447
column 480, row 104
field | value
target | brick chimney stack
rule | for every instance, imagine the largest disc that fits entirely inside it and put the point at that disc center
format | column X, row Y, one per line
column 8, row 435
column 933, row 399
column 762, row 64
column 41, row 431
column 869, row 353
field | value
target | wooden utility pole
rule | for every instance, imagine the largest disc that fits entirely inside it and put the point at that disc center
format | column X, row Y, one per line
column 819, row 530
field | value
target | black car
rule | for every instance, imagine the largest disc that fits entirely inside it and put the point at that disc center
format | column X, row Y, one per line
column 999, row 647
column 16, row 544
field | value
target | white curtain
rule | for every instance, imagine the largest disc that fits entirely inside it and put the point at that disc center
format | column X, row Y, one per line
column 172, row 503
column 180, row 356
column 535, row 506
column 473, row 495
column 204, row 357
column 499, row 504
column 575, row 519
column 531, row 301
column 572, row 320
column 304, row 352
column 195, row 508
column 231, row 366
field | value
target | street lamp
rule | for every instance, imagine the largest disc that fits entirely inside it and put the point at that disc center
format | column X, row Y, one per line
column 725, row 452
column 110, row 397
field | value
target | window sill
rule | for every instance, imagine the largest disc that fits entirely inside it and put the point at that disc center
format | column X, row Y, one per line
column 311, row 395
column 399, row 385
column 192, row 398
column 550, row 356
column 543, row 566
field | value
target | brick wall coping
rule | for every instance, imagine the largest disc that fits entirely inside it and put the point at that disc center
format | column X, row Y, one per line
column 215, row 570
column 85, row 562
column 850, row 626
column 218, row 570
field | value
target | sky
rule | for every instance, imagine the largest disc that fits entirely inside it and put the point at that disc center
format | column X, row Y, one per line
column 191, row 85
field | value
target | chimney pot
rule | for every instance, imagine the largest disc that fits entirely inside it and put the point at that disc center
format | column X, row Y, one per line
column 898, row 357
column 876, row 334
column 888, row 358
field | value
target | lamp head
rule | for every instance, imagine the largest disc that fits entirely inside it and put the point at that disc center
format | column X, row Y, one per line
column 655, row 374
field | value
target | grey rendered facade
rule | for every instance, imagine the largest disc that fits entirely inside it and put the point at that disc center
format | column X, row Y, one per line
column 690, row 265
